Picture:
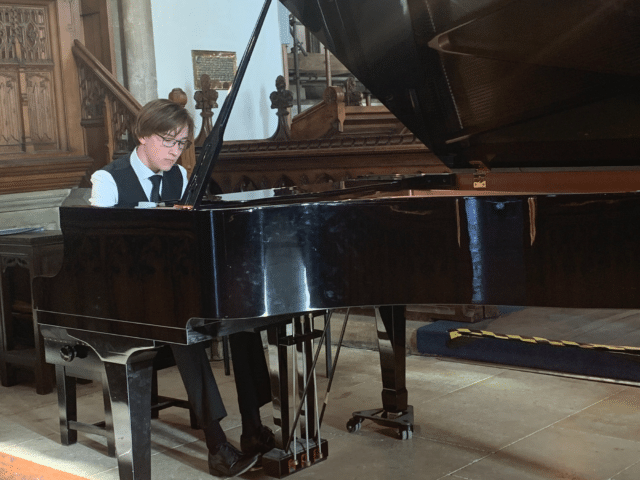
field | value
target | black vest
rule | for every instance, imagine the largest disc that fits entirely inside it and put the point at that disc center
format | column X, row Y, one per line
column 130, row 192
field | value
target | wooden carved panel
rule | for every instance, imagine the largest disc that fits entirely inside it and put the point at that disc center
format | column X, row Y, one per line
column 41, row 113
column 26, row 80
column 10, row 127
column 36, row 151
column 25, row 35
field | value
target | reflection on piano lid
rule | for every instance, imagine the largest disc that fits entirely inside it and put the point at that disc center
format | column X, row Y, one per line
column 514, row 83
column 256, row 195
column 251, row 195
column 346, row 189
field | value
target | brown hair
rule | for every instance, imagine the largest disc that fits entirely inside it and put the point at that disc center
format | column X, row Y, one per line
column 162, row 116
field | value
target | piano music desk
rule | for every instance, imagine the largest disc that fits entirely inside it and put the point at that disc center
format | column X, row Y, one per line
column 40, row 253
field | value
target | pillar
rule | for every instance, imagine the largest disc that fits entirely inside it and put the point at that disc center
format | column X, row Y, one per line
column 140, row 62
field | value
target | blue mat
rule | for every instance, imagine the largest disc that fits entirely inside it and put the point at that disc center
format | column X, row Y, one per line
column 434, row 339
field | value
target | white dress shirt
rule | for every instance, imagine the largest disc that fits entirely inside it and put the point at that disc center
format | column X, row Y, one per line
column 104, row 191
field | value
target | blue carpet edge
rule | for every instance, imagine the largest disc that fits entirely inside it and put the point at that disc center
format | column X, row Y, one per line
column 434, row 339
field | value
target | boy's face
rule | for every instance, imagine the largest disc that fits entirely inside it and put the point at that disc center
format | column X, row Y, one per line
column 157, row 154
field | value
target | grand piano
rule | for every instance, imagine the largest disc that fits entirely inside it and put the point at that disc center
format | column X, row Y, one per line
column 541, row 96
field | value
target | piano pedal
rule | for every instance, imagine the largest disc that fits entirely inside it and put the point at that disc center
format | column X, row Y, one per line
column 403, row 421
column 278, row 463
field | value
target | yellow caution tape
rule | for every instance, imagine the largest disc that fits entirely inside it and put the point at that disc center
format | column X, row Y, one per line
column 465, row 332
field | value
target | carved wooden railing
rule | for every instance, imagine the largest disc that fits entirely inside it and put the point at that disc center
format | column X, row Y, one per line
column 259, row 164
column 329, row 142
column 335, row 115
column 108, row 109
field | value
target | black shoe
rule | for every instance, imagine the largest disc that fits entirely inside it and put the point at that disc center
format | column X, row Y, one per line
column 260, row 443
column 229, row 461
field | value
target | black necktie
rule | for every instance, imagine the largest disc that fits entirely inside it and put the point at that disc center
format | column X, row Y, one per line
column 155, row 190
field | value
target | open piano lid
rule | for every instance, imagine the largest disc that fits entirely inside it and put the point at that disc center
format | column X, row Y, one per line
column 536, row 83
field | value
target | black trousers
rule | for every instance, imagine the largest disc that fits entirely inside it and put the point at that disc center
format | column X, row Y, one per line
column 250, row 372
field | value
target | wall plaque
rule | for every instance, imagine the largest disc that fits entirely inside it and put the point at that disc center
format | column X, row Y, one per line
column 220, row 66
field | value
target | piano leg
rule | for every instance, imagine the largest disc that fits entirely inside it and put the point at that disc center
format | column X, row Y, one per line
column 395, row 412
column 392, row 336
column 130, row 393
column 67, row 406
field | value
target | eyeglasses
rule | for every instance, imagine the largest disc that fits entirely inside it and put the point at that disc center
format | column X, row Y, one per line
column 172, row 142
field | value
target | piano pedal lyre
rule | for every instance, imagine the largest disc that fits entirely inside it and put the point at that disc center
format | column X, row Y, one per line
column 299, row 445
column 280, row 463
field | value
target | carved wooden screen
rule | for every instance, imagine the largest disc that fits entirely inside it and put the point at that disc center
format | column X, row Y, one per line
column 27, row 113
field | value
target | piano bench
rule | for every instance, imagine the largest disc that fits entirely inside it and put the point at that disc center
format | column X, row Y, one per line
column 66, row 378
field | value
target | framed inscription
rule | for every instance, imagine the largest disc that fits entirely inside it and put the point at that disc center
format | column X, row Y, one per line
column 220, row 66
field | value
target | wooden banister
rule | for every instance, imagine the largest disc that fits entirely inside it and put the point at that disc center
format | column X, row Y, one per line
column 109, row 111
column 103, row 98
column 106, row 78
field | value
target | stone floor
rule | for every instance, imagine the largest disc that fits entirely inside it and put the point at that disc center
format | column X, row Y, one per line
column 472, row 421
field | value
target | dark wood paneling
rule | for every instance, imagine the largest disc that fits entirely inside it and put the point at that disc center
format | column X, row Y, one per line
column 45, row 173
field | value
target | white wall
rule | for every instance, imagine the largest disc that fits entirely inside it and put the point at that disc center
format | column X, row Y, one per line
column 180, row 26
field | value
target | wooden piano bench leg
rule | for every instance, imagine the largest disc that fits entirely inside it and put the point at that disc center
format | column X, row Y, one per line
column 42, row 370
column 7, row 373
column 67, row 406
column 66, row 380
column 164, row 359
column 166, row 402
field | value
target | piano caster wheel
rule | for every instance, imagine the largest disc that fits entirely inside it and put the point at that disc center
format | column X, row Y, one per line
column 406, row 434
column 353, row 425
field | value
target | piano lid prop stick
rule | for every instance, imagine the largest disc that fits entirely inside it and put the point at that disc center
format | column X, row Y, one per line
column 213, row 143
